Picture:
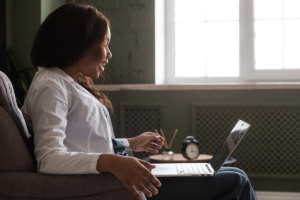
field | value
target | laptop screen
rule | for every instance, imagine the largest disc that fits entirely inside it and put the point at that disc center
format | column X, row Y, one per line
column 229, row 145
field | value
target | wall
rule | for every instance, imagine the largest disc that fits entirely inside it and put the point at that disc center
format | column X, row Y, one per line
column 23, row 19
column 132, row 40
column 132, row 29
column 2, row 35
column 269, row 152
column 47, row 6
column 9, row 22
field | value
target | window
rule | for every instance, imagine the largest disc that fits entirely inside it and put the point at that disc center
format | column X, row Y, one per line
column 228, row 40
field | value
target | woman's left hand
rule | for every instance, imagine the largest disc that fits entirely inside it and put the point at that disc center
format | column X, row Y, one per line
column 148, row 142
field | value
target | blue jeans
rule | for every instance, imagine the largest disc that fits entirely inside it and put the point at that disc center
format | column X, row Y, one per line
column 230, row 183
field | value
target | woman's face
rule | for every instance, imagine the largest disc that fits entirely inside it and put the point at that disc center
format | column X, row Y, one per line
column 92, row 62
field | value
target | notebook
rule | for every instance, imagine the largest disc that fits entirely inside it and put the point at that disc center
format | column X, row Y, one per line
column 205, row 169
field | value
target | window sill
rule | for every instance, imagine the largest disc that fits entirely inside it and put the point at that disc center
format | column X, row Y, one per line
column 208, row 86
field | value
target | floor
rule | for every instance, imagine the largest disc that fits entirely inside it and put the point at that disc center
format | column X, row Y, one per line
column 264, row 195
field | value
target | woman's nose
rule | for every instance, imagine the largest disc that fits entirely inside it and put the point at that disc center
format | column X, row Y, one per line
column 109, row 54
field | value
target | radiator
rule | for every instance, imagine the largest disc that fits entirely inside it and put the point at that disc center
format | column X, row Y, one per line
column 139, row 119
column 271, row 146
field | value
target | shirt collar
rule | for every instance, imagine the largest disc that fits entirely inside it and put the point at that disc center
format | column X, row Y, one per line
column 59, row 71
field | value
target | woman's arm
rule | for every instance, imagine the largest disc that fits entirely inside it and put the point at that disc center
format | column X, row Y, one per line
column 148, row 142
column 131, row 171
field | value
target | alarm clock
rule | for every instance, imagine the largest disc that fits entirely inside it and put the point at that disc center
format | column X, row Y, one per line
column 190, row 148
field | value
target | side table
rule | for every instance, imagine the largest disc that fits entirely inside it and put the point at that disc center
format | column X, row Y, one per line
column 178, row 158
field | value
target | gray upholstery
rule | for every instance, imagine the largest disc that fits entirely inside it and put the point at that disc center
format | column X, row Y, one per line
column 14, row 154
column 9, row 104
column 18, row 177
column 28, row 185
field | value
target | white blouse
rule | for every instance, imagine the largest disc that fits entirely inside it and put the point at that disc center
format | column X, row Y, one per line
column 71, row 127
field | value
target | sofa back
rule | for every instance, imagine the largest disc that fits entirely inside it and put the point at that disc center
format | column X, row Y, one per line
column 16, row 144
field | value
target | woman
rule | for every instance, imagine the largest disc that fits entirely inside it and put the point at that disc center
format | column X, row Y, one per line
column 70, row 120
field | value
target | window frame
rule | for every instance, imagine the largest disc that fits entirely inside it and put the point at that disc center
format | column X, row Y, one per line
column 247, row 50
column 164, row 13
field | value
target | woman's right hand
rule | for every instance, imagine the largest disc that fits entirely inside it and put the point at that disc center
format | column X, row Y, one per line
column 131, row 171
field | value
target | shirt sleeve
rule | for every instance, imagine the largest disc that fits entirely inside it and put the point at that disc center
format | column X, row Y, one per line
column 125, row 141
column 49, row 110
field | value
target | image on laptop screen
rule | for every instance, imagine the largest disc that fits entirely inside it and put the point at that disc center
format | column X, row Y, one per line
column 229, row 145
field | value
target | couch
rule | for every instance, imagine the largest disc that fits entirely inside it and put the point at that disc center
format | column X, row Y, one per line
column 19, row 179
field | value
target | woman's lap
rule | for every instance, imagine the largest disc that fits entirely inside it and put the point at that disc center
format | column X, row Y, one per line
column 227, row 184
column 233, row 169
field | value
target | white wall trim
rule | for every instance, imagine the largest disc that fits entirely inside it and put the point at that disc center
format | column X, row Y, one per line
column 208, row 86
column 263, row 195
column 160, row 42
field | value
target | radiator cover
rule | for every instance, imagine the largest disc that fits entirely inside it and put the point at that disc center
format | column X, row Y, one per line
column 271, row 146
column 139, row 119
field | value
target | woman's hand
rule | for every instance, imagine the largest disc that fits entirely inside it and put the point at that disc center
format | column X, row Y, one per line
column 146, row 142
column 133, row 173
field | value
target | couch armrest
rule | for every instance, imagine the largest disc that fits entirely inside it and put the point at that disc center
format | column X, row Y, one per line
column 36, row 185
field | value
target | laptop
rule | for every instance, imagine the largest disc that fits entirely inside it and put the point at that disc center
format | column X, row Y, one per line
column 205, row 169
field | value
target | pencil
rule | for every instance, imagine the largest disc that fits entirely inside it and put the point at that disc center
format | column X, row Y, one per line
column 167, row 146
column 173, row 137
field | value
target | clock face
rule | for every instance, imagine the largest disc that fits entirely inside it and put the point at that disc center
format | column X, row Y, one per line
column 192, row 151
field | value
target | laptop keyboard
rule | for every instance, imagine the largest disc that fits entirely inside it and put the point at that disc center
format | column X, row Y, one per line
column 193, row 168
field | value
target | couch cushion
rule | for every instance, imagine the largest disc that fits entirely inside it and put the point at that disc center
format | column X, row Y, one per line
column 14, row 154
column 112, row 195
column 9, row 104
column 43, row 186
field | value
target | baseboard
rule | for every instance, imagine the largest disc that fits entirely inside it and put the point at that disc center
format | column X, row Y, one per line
column 264, row 195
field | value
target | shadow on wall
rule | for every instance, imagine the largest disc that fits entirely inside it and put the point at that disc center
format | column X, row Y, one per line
column 20, row 78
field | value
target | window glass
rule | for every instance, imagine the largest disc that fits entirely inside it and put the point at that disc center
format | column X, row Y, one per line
column 291, row 9
column 291, row 44
column 222, row 10
column 268, row 9
column 277, row 41
column 206, row 37
column 184, row 12
column 223, row 49
column 190, row 49
column 268, row 44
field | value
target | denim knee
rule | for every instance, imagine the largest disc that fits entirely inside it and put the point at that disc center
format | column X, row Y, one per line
column 230, row 185
column 234, row 169
column 239, row 177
